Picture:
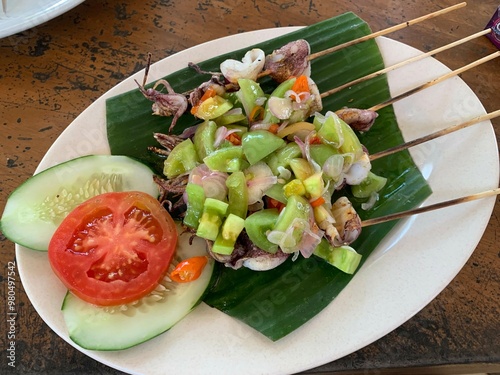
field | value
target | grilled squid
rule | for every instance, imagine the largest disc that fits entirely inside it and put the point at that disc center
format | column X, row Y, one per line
column 165, row 104
column 167, row 141
column 249, row 67
column 358, row 119
column 341, row 224
column 246, row 254
column 347, row 222
column 291, row 60
column 172, row 194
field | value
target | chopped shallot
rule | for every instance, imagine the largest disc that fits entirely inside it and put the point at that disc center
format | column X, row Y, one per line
column 358, row 171
column 280, row 107
column 284, row 173
column 307, row 151
column 299, row 97
column 333, row 167
column 259, row 178
column 370, row 202
column 310, row 238
column 213, row 182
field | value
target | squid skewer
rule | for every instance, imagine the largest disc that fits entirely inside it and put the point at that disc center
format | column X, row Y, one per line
column 435, row 135
column 370, row 113
column 405, row 62
column 170, row 141
column 363, row 119
column 420, row 88
column 435, row 81
column 172, row 103
column 292, row 57
column 419, row 210
column 387, row 31
column 175, row 104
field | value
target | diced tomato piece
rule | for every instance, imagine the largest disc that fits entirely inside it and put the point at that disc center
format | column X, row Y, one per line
column 273, row 203
column 209, row 93
column 273, row 128
column 317, row 202
column 315, row 140
column 234, row 138
column 301, row 84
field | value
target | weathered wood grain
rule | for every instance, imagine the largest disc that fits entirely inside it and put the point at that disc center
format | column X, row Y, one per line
column 51, row 73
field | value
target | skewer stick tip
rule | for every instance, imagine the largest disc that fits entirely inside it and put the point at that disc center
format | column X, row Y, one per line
column 420, row 210
column 389, row 30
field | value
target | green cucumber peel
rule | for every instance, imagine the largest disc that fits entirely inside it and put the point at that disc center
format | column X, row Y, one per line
column 34, row 209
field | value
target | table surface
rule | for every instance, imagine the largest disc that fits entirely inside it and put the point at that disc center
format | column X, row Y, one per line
column 50, row 73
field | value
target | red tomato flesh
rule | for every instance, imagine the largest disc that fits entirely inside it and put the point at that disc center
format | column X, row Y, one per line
column 114, row 248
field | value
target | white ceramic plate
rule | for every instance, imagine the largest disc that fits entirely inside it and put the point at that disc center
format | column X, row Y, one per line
column 20, row 15
column 411, row 266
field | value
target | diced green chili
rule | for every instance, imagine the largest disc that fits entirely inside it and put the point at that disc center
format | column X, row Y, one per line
column 195, row 202
column 213, row 107
column 345, row 258
column 321, row 152
column 248, row 93
column 258, row 144
column 237, row 194
column 282, row 157
column 371, row 184
column 226, row 159
column 181, row 159
column 258, row 224
column 204, row 138
column 297, row 207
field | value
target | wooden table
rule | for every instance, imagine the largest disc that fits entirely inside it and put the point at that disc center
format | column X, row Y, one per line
column 50, row 73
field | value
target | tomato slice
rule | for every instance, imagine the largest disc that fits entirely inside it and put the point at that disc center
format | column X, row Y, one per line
column 114, row 248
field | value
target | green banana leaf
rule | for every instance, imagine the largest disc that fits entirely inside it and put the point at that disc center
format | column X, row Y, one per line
column 279, row 301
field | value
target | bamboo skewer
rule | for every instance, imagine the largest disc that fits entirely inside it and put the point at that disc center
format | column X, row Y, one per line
column 400, row 215
column 372, row 36
column 377, row 34
column 403, row 63
column 400, row 64
column 386, row 31
column 434, row 135
column 435, row 81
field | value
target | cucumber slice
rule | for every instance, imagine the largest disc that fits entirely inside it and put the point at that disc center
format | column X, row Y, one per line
column 35, row 209
column 104, row 328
